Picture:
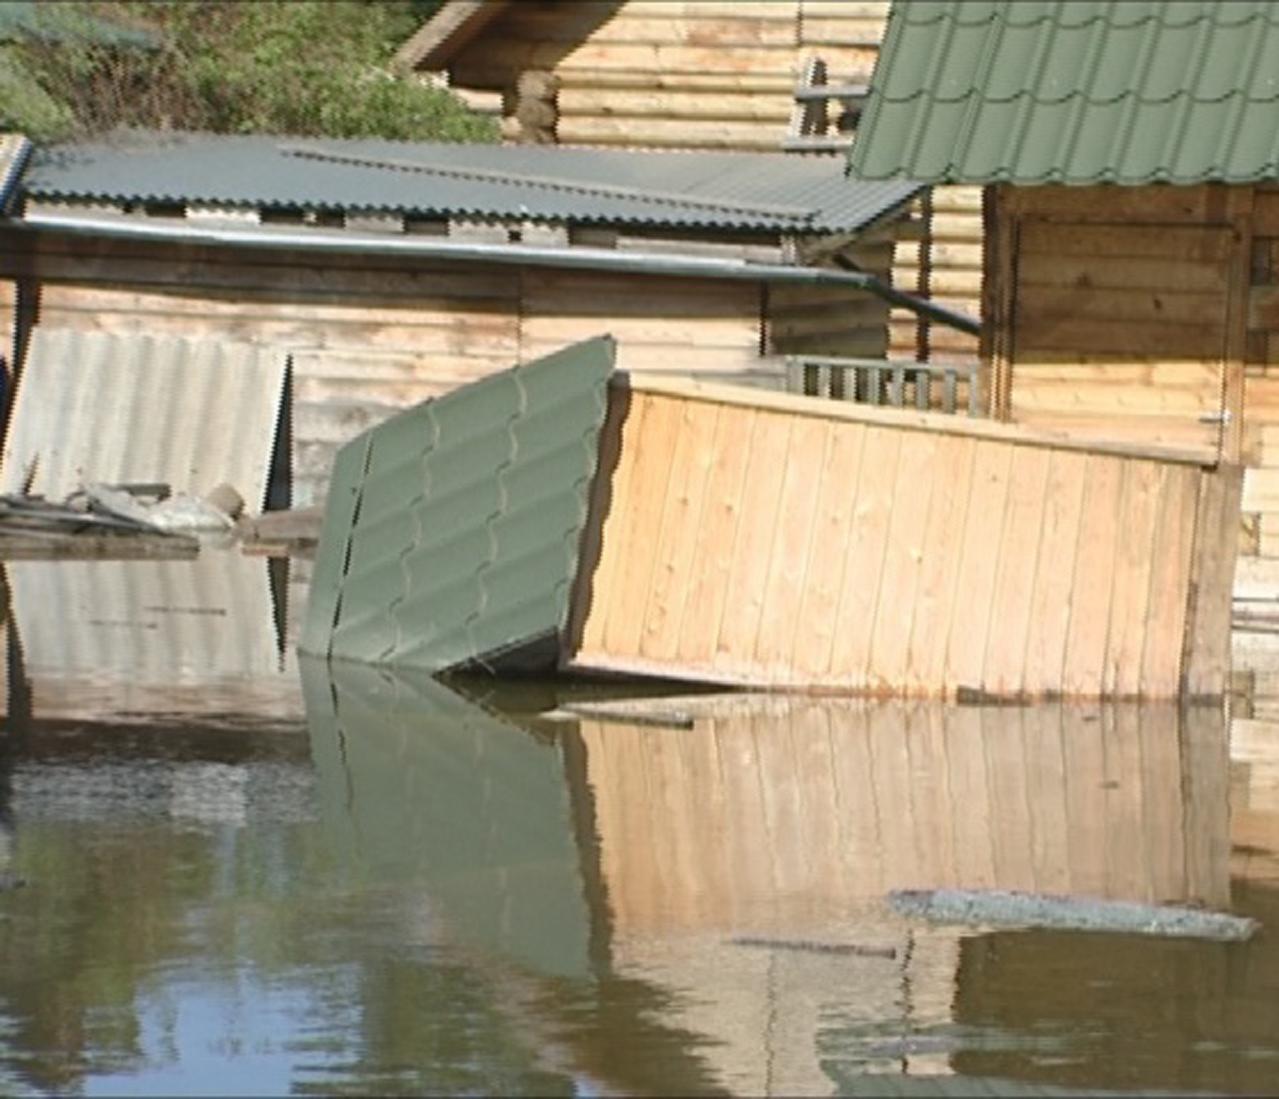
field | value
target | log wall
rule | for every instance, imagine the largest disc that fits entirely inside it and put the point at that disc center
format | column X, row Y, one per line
column 812, row 544
column 1115, row 310
column 1148, row 313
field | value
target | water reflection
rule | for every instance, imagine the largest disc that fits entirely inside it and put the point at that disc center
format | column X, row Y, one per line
column 105, row 640
column 668, row 858
column 479, row 887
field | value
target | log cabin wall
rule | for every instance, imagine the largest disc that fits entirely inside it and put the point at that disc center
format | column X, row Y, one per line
column 1118, row 311
column 1147, row 313
column 834, row 320
column 715, row 75
column 370, row 335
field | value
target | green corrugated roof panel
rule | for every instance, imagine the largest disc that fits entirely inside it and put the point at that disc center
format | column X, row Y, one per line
column 1080, row 91
column 451, row 532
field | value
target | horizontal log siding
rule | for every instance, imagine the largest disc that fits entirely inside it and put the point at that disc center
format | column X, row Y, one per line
column 839, row 550
column 691, row 74
column 811, row 793
column 1119, row 326
column 946, row 267
column 834, row 320
column 369, row 337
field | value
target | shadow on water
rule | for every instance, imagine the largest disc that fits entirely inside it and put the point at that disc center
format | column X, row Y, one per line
column 296, row 878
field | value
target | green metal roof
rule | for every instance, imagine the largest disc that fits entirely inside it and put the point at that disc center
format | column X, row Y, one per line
column 451, row 531
column 1081, row 91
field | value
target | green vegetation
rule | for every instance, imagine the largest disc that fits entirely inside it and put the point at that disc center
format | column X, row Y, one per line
column 308, row 67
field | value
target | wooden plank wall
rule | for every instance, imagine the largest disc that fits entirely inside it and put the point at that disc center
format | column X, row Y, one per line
column 1119, row 316
column 719, row 75
column 817, row 803
column 918, row 555
column 370, row 336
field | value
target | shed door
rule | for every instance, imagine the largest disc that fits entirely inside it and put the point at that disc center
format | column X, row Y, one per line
column 1120, row 330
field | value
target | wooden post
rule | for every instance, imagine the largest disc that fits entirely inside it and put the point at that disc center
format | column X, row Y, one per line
column 1205, row 664
column 1239, row 208
column 923, row 288
column 999, row 295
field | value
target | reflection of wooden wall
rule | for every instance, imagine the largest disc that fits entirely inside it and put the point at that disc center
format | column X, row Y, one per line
column 812, row 804
column 779, row 540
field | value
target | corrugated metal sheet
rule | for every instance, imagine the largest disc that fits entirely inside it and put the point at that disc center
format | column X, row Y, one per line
column 416, row 784
column 14, row 150
column 1083, row 91
column 95, row 406
column 726, row 191
column 451, row 531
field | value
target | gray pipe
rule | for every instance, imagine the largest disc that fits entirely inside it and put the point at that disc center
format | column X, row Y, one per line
column 587, row 259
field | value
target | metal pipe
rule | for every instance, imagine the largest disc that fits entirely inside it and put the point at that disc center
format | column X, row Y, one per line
column 587, row 259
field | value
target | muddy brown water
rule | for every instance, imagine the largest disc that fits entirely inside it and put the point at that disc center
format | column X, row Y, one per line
column 246, row 876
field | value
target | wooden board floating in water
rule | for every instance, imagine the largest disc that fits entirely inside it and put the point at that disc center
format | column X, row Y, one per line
column 1003, row 908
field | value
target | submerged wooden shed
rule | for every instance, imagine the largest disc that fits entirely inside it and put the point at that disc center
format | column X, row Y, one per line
column 393, row 271
column 707, row 75
column 1131, row 167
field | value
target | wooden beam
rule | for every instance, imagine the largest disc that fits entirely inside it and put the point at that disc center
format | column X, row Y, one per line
column 436, row 41
column 1240, row 201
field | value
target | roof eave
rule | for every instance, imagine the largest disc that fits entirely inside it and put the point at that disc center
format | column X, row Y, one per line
column 435, row 43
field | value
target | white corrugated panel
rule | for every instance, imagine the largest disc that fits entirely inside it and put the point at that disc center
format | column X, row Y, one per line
column 117, row 407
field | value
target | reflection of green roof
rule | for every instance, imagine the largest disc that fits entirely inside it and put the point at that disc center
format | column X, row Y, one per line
column 66, row 22
column 1081, row 91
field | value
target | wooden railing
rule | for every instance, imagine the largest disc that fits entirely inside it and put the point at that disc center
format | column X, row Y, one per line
column 892, row 383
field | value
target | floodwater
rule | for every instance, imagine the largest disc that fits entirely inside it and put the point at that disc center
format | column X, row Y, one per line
column 250, row 877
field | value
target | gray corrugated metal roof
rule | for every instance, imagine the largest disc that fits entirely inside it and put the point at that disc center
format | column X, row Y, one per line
column 118, row 407
column 451, row 531
column 1080, row 91
column 14, row 150
column 728, row 191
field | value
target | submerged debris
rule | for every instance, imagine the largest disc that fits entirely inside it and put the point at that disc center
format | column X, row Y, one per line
column 815, row 947
column 1004, row 908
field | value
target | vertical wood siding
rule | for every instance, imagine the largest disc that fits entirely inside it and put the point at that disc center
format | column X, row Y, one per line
column 779, row 541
